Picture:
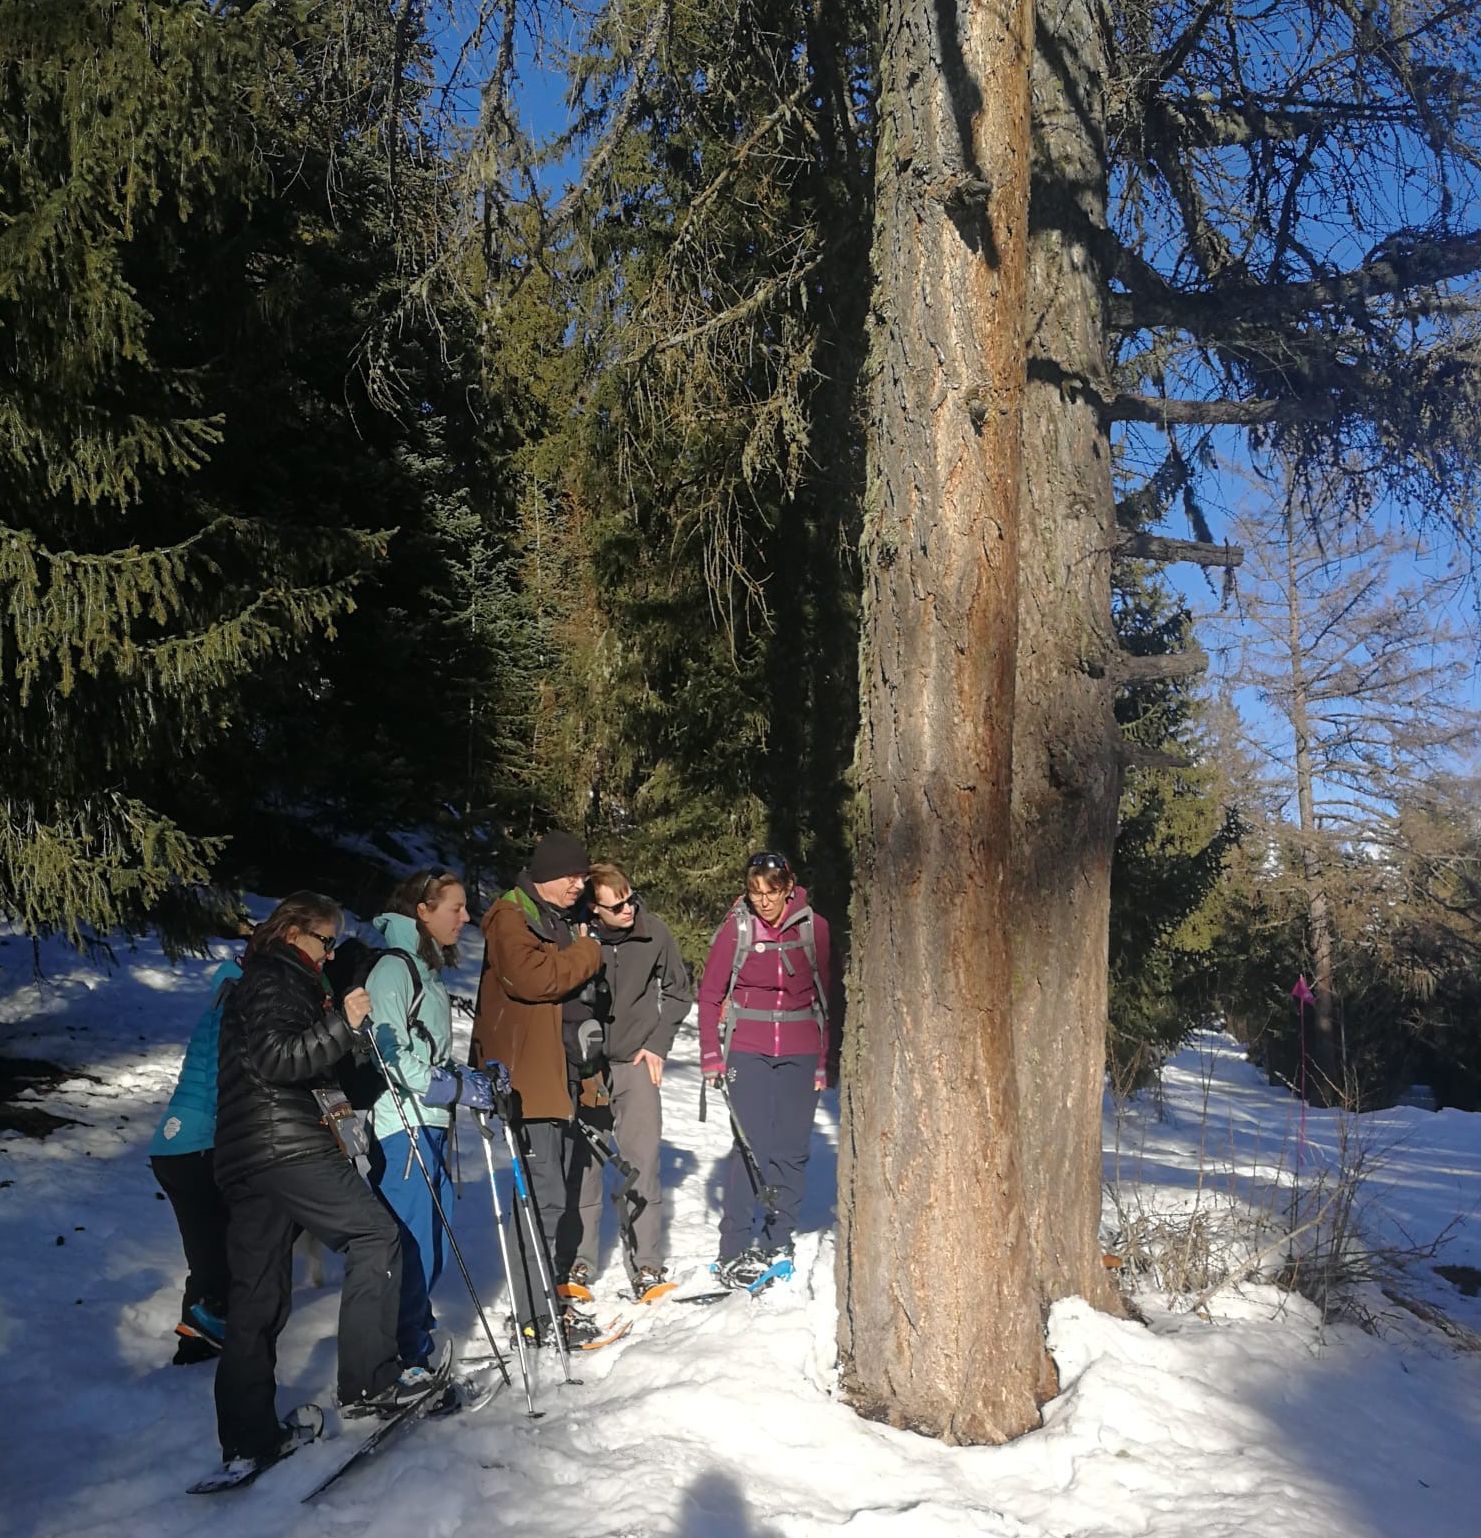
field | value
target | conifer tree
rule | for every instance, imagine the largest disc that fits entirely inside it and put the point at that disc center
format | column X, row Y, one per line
column 1174, row 832
column 202, row 450
column 696, row 496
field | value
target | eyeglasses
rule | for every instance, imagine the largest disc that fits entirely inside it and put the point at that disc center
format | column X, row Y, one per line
column 630, row 901
column 769, row 861
column 327, row 941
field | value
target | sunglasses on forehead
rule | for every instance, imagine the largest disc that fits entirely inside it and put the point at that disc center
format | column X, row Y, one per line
column 770, row 862
column 434, row 878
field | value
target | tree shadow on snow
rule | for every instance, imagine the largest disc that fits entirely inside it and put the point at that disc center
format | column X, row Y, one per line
column 675, row 1166
column 714, row 1506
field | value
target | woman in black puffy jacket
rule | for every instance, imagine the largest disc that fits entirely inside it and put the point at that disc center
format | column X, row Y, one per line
column 281, row 1169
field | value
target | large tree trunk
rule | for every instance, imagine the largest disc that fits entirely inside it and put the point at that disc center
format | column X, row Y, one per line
column 940, row 1318
column 1066, row 775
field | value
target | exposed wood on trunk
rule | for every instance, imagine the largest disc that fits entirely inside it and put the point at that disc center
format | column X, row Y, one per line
column 940, row 1324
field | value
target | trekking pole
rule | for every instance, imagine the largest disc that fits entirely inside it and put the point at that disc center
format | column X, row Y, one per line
column 765, row 1194
column 487, row 1140
column 609, row 1155
column 525, row 1203
column 452, row 1238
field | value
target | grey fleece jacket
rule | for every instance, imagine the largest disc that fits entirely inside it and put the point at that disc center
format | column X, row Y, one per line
column 651, row 991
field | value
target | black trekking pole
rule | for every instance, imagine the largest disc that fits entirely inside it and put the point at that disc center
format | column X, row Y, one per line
column 609, row 1155
column 765, row 1194
column 487, row 1139
column 452, row 1238
column 525, row 1203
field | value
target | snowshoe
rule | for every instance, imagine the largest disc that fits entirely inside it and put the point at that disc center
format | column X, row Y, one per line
column 577, row 1286
column 739, row 1271
column 651, row 1283
column 396, row 1423
column 301, row 1426
column 413, row 1385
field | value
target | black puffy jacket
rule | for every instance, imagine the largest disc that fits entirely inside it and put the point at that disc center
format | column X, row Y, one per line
column 280, row 1040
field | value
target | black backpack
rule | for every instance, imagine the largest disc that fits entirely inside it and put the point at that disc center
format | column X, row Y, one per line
column 349, row 968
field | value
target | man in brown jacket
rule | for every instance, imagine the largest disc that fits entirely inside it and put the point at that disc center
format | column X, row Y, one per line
column 535, row 965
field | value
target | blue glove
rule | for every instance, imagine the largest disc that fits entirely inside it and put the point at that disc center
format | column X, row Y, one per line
column 499, row 1076
column 459, row 1086
column 444, row 1088
column 478, row 1092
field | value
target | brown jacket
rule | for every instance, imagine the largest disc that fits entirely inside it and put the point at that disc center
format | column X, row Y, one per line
column 526, row 974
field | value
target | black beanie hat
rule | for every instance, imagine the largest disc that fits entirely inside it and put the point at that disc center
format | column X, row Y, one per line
column 559, row 854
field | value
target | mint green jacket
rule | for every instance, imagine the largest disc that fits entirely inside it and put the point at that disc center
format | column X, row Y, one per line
column 411, row 1053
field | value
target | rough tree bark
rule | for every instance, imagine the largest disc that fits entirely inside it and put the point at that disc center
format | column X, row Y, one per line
column 940, row 1311
column 1066, row 775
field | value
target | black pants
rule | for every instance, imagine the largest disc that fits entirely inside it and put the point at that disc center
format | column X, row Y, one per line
column 200, row 1213
column 555, row 1191
column 774, row 1100
column 328, row 1199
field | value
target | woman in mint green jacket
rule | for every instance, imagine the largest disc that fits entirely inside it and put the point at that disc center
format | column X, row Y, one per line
column 413, row 1029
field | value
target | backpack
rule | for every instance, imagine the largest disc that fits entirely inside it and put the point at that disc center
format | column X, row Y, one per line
column 585, row 1040
column 745, row 943
column 349, row 968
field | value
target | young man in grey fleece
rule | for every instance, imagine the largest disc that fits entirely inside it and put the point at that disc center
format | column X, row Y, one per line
column 651, row 995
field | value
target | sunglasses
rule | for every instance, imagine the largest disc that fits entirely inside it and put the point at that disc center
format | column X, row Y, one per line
column 434, row 878
column 327, row 941
column 630, row 901
column 769, row 861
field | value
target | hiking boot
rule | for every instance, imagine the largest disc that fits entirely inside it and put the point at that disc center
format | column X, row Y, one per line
column 412, row 1384
column 648, row 1277
column 576, row 1329
column 190, row 1349
column 202, row 1324
column 740, row 1270
column 578, row 1283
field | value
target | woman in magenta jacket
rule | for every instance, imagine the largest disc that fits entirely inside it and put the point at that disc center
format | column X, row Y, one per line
column 764, row 1034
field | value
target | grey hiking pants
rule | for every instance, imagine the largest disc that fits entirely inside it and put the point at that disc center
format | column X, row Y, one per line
column 637, row 1124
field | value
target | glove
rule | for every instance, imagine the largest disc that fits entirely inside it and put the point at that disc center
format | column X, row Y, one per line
column 498, row 1076
column 459, row 1086
column 478, row 1092
column 443, row 1090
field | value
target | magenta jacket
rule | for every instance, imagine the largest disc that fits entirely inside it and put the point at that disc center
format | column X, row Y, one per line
column 764, row 984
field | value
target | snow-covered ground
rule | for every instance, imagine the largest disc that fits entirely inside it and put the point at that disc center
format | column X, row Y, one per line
column 1247, row 1416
